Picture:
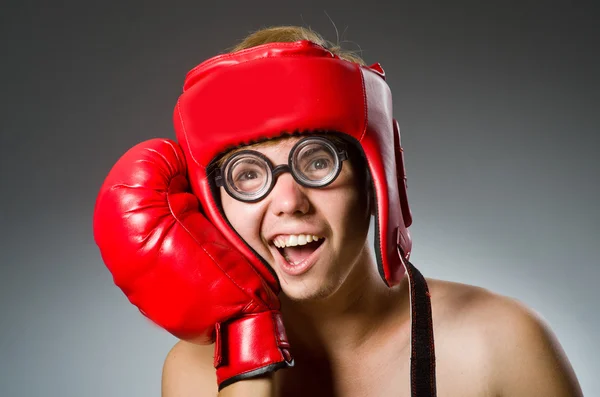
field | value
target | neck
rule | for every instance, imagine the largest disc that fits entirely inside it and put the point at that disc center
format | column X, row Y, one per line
column 347, row 320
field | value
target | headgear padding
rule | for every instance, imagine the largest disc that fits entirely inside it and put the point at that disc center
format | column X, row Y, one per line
column 267, row 91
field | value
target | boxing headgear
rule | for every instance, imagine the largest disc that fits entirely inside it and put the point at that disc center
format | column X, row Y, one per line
column 267, row 91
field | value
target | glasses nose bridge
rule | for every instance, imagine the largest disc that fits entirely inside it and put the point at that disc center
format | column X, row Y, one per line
column 289, row 195
column 280, row 169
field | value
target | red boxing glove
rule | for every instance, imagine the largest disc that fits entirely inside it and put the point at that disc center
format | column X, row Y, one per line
column 177, row 268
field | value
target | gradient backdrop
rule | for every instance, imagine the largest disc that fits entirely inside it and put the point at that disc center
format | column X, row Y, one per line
column 498, row 105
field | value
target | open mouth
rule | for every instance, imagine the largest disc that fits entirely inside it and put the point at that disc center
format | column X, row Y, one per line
column 298, row 253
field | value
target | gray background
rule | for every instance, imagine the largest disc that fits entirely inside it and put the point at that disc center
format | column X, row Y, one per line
column 498, row 105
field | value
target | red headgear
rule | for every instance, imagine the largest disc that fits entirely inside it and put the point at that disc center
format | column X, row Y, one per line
column 272, row 89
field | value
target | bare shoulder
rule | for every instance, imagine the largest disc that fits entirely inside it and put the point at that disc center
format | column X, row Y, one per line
column 517, row 352
column 188, row 371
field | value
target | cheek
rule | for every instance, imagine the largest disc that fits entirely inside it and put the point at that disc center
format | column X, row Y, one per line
column 243, row 217
column 345, row 209
column 353, row 195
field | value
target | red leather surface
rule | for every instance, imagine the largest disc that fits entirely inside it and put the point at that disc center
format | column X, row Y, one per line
column 259, row 340
column 173, row 264
column 260, row 93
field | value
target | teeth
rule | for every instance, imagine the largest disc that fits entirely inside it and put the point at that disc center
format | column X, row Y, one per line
column 294, row 240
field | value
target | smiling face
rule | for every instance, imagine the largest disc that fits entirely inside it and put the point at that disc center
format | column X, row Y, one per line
column 311, row 237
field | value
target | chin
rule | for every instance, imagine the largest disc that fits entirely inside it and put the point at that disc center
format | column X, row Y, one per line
column 309, row 291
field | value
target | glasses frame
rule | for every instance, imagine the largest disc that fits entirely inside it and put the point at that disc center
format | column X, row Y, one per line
column 275, row 171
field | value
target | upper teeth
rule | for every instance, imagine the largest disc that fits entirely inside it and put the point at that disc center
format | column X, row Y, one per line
column 293, row 240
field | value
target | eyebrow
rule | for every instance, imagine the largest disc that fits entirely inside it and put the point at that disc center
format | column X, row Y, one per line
column 275, row 142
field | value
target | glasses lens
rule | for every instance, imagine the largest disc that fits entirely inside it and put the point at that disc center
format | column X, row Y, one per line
column 248, row 176
column 316, row 162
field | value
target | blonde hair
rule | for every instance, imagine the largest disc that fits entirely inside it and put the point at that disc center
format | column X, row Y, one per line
column 286, row 34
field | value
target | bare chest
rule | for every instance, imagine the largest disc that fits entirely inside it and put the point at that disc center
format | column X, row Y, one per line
column 355, row 377
column 463, row 363
column 384, row 373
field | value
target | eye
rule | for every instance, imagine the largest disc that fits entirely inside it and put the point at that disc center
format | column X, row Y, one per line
column 247, row 169
column 247, row 175
column 319, row 164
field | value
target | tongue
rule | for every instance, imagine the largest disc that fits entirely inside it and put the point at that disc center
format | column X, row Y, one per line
column 299, row 253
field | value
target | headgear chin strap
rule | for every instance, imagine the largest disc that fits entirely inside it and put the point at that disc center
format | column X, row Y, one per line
column 272, row 89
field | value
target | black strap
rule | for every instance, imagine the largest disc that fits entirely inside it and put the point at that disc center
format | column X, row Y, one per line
column 422, row 361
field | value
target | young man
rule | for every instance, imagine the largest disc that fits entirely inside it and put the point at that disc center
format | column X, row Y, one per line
column 290, row 147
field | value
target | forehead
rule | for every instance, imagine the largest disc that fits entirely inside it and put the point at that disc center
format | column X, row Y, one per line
column 283, row 144
column 279, row 148
column 272, row 148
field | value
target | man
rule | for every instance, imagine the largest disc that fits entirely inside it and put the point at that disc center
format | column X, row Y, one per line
column 290, row 146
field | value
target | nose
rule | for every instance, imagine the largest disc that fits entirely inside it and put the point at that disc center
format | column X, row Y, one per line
column 287, row 197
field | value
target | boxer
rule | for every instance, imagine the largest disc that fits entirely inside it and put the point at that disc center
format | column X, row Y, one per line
column 246, row 237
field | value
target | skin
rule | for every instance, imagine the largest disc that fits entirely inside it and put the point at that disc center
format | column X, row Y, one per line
column 351, row 334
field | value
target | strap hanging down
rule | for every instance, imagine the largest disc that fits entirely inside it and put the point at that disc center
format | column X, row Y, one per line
column 422, row 364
